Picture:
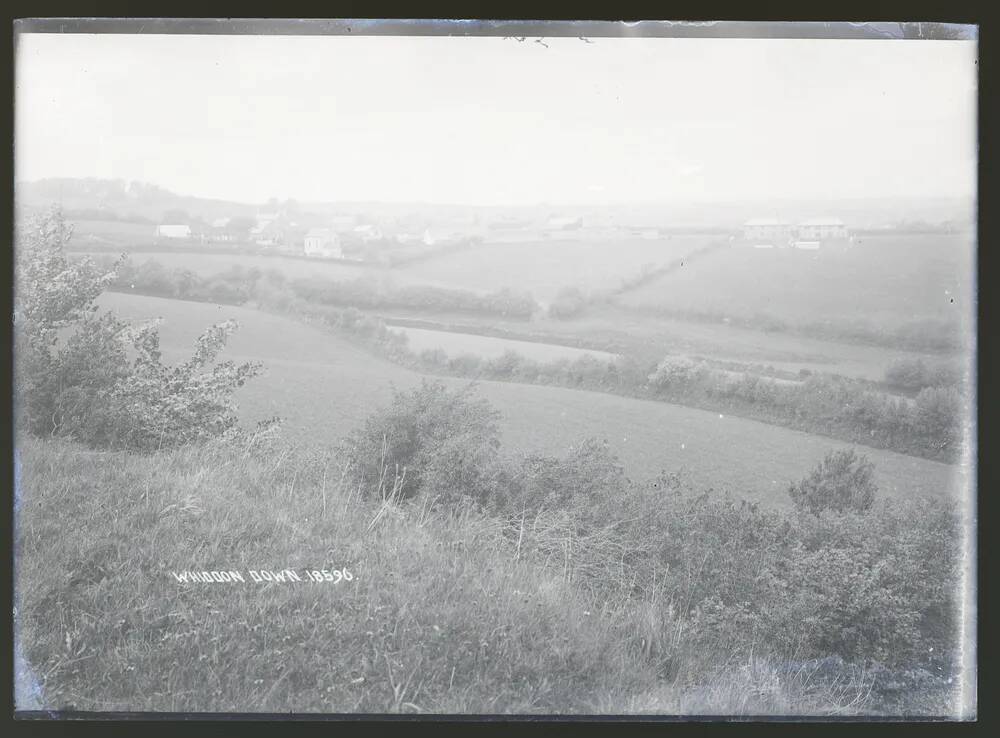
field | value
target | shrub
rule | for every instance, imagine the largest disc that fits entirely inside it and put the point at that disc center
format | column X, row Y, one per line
column 95, row 378
column 913, row 375
column 583, row 477
column 429, row 439
column 939, row 414
column 842, row 481
column 674, row 371
column 568, row 303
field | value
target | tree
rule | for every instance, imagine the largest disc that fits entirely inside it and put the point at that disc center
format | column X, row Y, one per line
column 95, row 378
column 676, row 371
column 843, row 481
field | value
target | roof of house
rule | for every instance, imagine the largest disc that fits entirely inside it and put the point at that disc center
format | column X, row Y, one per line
column 766, row 222
column 320, row 233
column 824, row 220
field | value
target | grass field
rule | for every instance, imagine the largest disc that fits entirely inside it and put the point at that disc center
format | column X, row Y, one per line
column 887, row 280
column 539, row 267
column 545, row 267
column 324, row 387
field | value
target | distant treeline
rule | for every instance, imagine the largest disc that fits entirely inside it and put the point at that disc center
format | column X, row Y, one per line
column 929, row 425
column 363, row 293
column 239, row 285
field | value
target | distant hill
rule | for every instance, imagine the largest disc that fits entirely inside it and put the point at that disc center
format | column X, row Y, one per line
column 99, row 199
column 121, row 200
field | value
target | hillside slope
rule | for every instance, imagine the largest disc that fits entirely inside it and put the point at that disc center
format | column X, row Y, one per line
column 324, row 387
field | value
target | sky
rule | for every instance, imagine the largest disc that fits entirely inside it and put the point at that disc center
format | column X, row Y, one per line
column 493, row 121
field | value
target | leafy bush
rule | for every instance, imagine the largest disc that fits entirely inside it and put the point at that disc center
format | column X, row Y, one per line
column 913, row 375
column 589, row 473
column 939, row 412
column 368, row 293
column 429, row 439
column 676, row 371
column 568, row 303
column 95, row 378
column 843, row 481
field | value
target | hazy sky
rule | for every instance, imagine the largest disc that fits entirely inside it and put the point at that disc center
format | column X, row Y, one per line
column 494, row 121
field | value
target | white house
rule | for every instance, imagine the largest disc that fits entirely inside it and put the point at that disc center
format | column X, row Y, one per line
column 826, row 227
column 322, row 242
column 173, row 231
column 767, row 231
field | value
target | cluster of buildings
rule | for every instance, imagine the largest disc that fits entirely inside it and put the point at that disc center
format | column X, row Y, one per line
column 766, row 233
column 350, row 237
column 330, row 236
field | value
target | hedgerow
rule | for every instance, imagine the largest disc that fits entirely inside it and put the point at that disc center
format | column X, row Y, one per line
column 929, row 424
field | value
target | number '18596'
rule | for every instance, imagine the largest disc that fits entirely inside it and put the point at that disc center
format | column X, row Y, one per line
column 329, row 576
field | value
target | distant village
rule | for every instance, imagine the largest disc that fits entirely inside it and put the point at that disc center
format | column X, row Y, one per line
column 109, row 213
column 352, row 237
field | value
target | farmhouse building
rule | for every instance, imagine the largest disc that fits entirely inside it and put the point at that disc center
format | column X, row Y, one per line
column 322, row 242
column 173, row 231
column 808, row 235
column 818, row 229
column 767, row 230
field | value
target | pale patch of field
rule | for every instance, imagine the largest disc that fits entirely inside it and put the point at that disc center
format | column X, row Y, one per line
column 490, row 347
column 324, row 387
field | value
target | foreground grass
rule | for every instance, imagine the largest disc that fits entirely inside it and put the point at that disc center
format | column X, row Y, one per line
column 447, row 612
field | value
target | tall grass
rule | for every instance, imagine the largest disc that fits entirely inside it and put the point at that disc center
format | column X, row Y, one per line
column 450, row 609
